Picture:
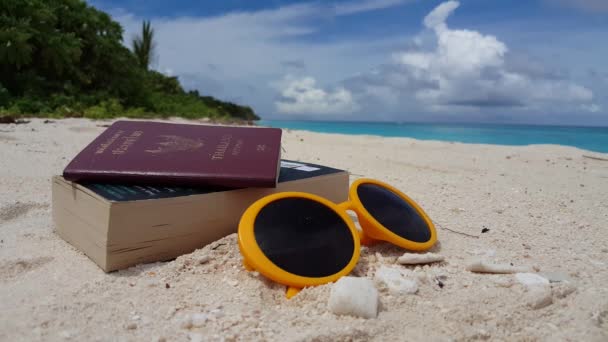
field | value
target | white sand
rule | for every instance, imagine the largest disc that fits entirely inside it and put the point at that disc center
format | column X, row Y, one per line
column 546, row 207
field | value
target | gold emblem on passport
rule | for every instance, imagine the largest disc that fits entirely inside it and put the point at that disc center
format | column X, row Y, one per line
column 174, row 143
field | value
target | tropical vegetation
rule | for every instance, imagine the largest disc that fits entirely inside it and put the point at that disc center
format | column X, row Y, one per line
column 65, row 58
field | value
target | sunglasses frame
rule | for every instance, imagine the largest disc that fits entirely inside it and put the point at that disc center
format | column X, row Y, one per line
column 255, row 259
column 372, row 231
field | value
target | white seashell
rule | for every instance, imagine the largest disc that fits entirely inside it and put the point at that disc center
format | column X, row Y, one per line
column 531, row 279
column 481, row 266
column 395, row 280
column 355, row 297
column 416, row 259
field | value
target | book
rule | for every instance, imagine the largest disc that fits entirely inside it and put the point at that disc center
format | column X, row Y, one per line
column 147, row 152
column 122, row 225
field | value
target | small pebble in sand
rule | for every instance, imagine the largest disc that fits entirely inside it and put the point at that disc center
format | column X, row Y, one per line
column 482, row 266
column 217, row 313
column 195, row 337
column 355, row 297
column 539, row 297
column 440, row 280
column 415, row 259
column 199, row 319
column 422, row 278
column 131, row 326
column 488, row 253
column 395, row 280
column 562, row 290
column 186, row 323
column 204, row 259
column 600, row 317
column 503, row 281
column 66, row 334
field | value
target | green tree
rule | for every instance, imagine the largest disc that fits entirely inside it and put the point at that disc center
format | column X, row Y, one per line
column 143, row 46
column 64, row 57
column 64, row 46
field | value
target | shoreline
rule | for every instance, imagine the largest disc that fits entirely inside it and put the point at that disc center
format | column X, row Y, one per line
column 409, row 139
column 336, row 127
column 542, row 207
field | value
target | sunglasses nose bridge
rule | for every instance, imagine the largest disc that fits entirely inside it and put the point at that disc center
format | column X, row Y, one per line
column 345, row 205
column 369, row 234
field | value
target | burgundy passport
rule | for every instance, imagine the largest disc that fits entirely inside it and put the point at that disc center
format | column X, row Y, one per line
column 180, row 154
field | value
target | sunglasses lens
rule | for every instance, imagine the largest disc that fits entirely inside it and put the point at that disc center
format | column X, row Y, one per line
column 304, row 237
column 393, row 212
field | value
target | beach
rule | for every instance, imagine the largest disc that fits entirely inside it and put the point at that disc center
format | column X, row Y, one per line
column 543, row 206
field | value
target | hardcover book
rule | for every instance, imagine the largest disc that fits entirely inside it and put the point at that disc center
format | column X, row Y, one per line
column 121, row 225
column 146, row 152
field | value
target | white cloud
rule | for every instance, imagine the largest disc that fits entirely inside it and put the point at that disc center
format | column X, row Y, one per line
column 466, row 68
column 353, row 7
column 436, row 19
column 303, row 96
column 592, row 108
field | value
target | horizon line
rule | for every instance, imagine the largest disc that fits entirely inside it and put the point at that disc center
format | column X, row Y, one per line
column 405, row 122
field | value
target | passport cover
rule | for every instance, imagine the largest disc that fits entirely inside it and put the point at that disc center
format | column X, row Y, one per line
column 148, row 152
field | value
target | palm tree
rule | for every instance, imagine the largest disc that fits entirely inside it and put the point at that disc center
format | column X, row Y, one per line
column 143, row 46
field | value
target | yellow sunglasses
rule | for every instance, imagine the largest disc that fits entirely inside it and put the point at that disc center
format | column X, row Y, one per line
column 300, row 239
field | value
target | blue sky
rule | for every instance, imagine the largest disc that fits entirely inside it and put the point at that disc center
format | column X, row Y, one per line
column 540, row 61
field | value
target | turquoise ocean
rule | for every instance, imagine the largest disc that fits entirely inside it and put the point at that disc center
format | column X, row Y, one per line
column 588, row 138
